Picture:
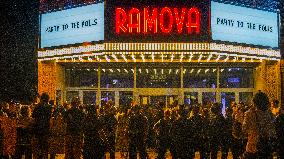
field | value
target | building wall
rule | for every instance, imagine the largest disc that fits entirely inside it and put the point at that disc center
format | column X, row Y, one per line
column 47, row 78
column 282, row 82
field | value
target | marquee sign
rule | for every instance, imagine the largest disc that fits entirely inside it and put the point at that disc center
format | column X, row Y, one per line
column 155, row 22
column 151, row 21
column 76, row 25
column 244, row 25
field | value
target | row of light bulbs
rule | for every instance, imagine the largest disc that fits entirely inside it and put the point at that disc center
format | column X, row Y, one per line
column 124, row 49
column 163, row 71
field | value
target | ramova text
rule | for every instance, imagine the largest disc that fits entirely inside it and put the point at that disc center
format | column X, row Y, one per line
column 152, row 21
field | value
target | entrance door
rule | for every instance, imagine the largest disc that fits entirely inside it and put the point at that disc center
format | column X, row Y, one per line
column 168, row 100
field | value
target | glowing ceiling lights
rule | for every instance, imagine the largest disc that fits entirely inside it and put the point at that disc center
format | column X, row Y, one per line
column 124, row 58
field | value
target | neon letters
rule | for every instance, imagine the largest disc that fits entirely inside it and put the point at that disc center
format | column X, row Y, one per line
column 152, row 21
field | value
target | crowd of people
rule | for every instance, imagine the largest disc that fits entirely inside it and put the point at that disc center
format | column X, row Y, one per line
column 248, row 131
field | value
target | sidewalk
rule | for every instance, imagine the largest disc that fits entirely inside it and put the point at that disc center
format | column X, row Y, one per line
column 152, row 155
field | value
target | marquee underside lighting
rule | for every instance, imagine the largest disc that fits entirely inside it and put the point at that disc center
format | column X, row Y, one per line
column 159, row 52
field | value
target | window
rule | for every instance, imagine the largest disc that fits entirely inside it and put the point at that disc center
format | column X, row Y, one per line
column 81, row 77
column 158, row 78
column 200, row 77
column 117, row 78
column 236, row 78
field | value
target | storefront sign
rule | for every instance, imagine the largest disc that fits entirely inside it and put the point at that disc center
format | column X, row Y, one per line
column 157, row 21
column 244, row 25
column 77, row 25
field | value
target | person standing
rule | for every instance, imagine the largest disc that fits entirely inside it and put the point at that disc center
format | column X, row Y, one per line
column 217, row 130
column 93, row 145
column 259, row 128
column 24, row 128
column 41, row 116
column 109, row 124
column 198, row 132
column 279, row 124
column 165, row 135
column 57, row 132
column 138, row 128
column 74, row 119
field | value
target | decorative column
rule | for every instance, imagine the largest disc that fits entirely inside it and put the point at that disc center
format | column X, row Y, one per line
column 135, row 91
column 218, row 92
column 181, row 92
column 47, row 78
column 273, row 80
column 98, row 96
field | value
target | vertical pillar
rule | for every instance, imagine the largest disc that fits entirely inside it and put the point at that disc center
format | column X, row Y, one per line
column 135, row 91
column 81, row 96
column 47, row 78
column 98, row 96
column 181, row 92
column 218, row 92
column 116, row 99
column 237, row 97
column 259, row 77
column 199, row 95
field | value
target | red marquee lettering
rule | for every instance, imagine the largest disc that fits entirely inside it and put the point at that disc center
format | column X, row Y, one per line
column 151, row 22
column 162, row 21
column 180, row 20
column 120, row 21
column 131, row 24
column 193, row 12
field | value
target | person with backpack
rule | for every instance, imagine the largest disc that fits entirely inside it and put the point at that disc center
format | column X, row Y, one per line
column 74, row 118
column 41, row 116
column 259, row 128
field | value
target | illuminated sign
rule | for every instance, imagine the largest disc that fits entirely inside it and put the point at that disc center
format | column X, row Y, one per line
column 152, row 21
column 77, row 25
column 244, row 25
column 130, row 22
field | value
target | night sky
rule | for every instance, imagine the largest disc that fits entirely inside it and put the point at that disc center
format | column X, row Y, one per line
column 18, row 42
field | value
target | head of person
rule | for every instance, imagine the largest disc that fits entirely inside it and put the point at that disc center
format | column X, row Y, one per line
column 25, row 111
column 275, row 104
column 167, row 114
column 44, row 98
column 216, row 108
column 75, row 102
column 195, row 110
column 261, row 101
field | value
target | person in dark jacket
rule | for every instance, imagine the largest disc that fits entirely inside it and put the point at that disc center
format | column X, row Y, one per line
column 109, row 125
column 138, row 128
column 93, row 146
column 217, row 130
column 41, row 116
column 74, row 118
column 24, row 137
column 198, row 132
column 279, row 125
column 164, row 128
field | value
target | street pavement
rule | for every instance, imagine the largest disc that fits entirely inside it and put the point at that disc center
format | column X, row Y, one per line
column 152, row 155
